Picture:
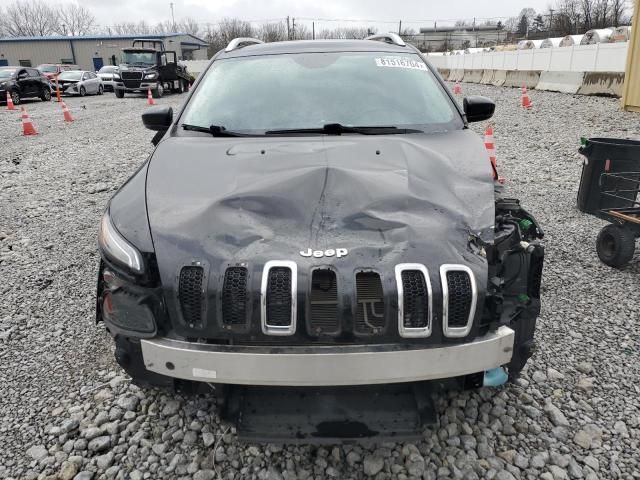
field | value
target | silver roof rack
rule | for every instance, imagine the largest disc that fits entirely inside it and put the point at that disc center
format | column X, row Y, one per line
column 241, row 41
column 389, row 38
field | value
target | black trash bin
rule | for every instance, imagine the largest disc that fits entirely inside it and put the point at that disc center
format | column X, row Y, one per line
column 607, row 155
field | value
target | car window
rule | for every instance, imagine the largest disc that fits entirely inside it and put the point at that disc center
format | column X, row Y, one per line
column 310, row 90
column 33, row 72
column 22, row 73
column 107, row 69
column 48, row 68
column 70, row 75
column 6, row 73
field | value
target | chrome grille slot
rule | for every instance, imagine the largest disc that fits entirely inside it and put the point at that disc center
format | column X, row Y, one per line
column 190, row 294
column 234, row 296
column 278, row 298
column 323, row 302
column 370, row 304
column 414, row 300
column 459, row 299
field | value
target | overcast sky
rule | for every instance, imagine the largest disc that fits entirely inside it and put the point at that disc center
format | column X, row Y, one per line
column 410, row 11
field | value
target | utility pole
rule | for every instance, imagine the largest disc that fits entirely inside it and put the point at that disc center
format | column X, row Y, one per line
column 313, row 30
column 293, row 28
column 288, row 31
column 400, row 28
column 551, row 10
column 173, row 19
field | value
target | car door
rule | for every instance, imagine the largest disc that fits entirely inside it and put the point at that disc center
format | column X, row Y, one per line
column 25, row 89
column 95, row 81
column 89, row 84
column 36, row 81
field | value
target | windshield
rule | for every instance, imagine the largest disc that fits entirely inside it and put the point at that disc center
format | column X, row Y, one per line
column 48, row 68
column 6, row 72
column 145, row 58
column 108, row 70
column 71, row 75
column 292, row 91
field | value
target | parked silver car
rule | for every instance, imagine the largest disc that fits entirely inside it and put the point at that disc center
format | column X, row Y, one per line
column 80, row 82
column 107, row 74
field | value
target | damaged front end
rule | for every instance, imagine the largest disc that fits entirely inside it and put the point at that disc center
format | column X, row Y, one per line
column 515, row 260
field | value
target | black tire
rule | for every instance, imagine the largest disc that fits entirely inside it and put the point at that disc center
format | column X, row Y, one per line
column 119, row 93
column 83, row 91
column 45, row 96
column 158, row 92
column 100, row 90
column 616, row 245
column 15, row 97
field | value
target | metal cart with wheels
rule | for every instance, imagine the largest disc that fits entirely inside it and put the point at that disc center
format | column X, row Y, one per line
column 610, row 189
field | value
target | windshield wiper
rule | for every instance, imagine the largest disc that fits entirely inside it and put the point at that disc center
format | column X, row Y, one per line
column 339, row 129
column 215, row 131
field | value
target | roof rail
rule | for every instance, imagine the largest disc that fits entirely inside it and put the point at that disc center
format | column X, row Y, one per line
column 239, row 42
column 388, row 38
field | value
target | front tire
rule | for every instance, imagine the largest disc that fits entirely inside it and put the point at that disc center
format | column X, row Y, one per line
column 158, row 92
column 45, row 95
column 15, row 97
column 616, row 245
column 119, row 93
column 100, row 90
column 83, row 91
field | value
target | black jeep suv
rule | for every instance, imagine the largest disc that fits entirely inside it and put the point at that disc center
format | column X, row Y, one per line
column 318, row 236
column 23, row 82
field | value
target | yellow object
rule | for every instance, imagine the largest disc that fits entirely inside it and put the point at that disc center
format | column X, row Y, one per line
column 631, row 92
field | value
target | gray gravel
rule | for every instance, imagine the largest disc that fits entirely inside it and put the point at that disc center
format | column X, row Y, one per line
column 68, row 412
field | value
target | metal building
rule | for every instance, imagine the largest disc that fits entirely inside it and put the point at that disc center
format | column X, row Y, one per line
column 92, row 51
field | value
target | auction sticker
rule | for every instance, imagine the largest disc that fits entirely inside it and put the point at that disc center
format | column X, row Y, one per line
column 401, row 62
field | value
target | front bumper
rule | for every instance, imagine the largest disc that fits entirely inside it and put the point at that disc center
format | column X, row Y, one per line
column 137, row 87
column 324, row 366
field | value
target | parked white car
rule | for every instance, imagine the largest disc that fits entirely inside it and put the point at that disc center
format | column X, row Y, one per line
column 80, row 82
column 107, row 74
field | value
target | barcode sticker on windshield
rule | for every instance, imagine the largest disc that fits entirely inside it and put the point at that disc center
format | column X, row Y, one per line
column 400, row 62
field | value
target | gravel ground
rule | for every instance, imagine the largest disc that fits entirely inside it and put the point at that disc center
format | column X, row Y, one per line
column 67, row 411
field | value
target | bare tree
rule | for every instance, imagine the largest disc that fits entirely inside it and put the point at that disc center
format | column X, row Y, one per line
column 189, row 25
column 618, row 11
column 33, row 18
column 225, row 31
column 272, row 32
column 73, row 19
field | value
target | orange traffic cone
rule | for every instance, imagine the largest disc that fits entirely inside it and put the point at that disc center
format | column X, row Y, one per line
column 27, row 126
column 10, row 105
column 457, row 88
column 526, row 102
column 66, row 113
column 150, row 100
column 58, row 96
column 490, row 145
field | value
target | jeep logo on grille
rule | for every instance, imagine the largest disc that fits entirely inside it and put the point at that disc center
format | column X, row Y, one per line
column 331, row 252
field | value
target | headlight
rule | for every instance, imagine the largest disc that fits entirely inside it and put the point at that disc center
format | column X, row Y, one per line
column 116, row 248
column 150, row 76
column 116, row 76
column 3, row 84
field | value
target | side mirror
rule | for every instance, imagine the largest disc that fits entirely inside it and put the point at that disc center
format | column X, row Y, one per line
column 478, row 108
column 158, row 118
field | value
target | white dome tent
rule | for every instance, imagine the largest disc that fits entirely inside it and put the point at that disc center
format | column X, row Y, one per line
column 531, row 44
column 594, row 36
column 571, row 40
column 551, row 42
column 620, row 34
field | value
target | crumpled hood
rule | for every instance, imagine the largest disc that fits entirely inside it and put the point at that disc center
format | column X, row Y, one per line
column 387, row 199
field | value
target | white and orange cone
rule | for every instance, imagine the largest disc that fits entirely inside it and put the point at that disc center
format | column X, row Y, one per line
column 526, row 101
column 490, row 145
column 66, row 113
column 10, row 105
column 58, row 96
column 457, row 88
column 150, row 100
column 27, row 126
